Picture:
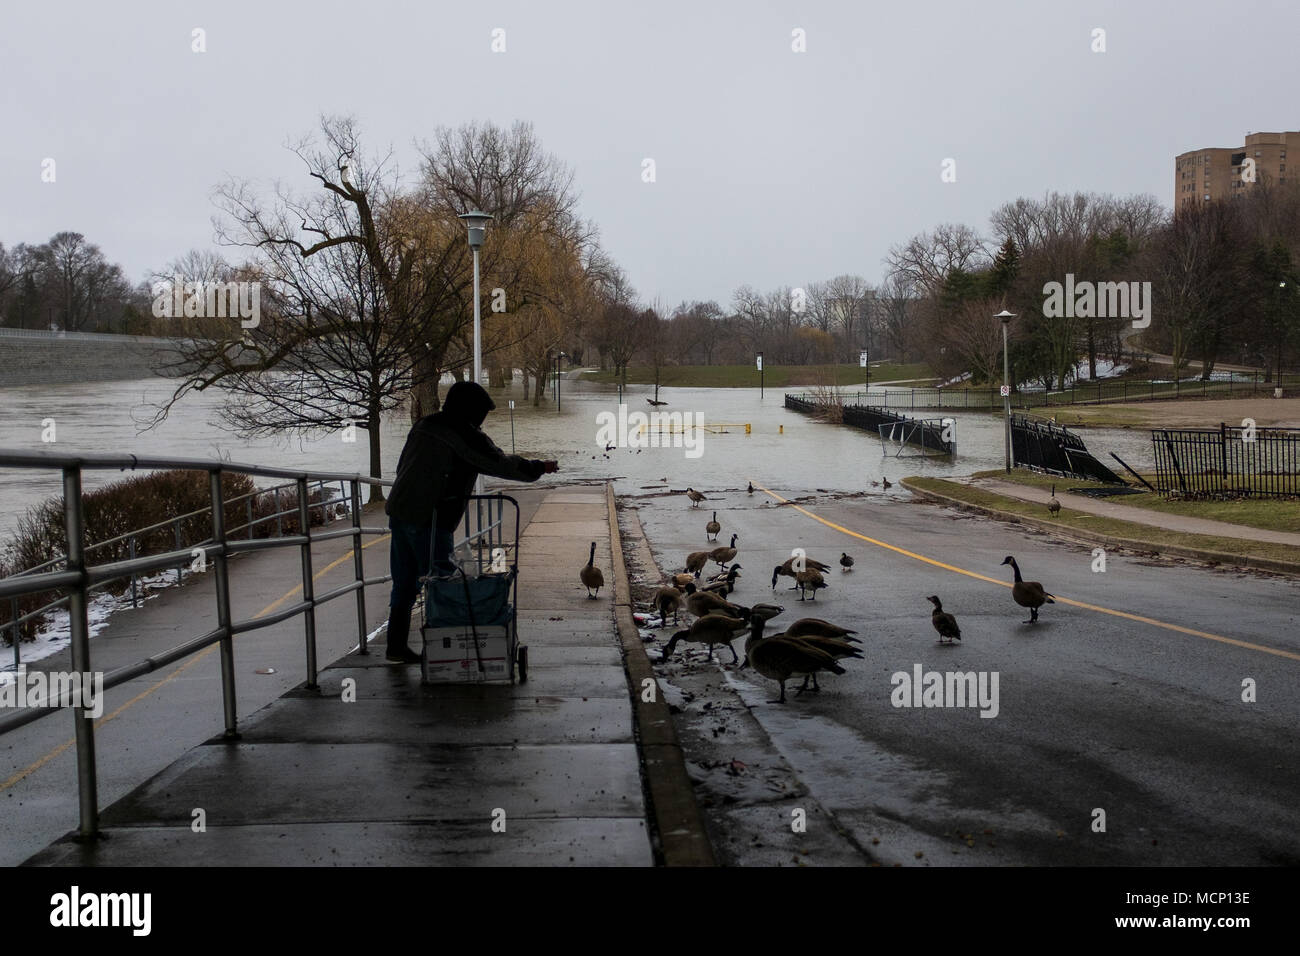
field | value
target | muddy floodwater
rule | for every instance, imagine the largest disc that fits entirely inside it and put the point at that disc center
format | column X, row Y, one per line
column 783, row 450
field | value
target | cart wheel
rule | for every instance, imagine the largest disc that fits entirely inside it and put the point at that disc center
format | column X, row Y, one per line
column 522, row 656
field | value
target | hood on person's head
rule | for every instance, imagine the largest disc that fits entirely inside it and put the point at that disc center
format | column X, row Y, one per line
column 468, row 402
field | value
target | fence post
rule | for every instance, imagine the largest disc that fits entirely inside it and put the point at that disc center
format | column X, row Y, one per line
column 308, row 595
column 279, row 519
column 248, row 502
column 221, row 574
column 79, row 628
column 358, row 566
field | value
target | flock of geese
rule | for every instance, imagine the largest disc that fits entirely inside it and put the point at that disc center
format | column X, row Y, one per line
column 810, row 645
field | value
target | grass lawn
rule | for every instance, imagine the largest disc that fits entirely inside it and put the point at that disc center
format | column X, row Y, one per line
column 774, row 376
column 1156, row 538
column 1274, row 514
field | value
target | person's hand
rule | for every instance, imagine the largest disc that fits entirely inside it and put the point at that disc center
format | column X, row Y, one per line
column 550, row 467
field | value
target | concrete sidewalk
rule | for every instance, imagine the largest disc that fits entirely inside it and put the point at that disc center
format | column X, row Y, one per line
column 376, row 769
column 1156, row 519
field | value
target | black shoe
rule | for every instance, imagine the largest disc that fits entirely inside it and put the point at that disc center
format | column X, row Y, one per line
column 406, row 656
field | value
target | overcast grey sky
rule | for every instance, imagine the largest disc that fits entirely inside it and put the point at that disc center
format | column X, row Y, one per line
column 772, row 167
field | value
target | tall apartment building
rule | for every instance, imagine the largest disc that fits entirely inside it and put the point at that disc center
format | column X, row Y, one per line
column 1214, row 173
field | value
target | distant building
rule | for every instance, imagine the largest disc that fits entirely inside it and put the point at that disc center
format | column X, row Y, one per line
column 1215, row 173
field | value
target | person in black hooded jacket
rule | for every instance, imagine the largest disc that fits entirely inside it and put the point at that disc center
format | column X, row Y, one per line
column 444, row 454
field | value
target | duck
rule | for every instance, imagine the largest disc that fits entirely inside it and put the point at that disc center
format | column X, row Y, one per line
column 816, row 627
column 1053, row 505
column 777, row 658
column 846, row 563
column 712, row 528
column 787, row 568
column 701, row 603
column 708, row 630
column 695, row 562
column 591, row 576
column 750, row 491
column 723, row 555
column 943, row 622
column 667, row 600
column 695, row 497
column 723, row 583
column 886, row 483
column 683, row 579
column 1028, row 594
column 809, row 580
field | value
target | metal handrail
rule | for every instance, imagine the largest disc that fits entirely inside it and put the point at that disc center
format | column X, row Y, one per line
column 17, row 620
column 79, row 578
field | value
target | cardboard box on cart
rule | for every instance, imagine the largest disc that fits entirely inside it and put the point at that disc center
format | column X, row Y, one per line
column 449, row 656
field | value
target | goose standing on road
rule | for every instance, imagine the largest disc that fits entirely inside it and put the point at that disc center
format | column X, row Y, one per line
column 1028, row 594
column 1053, row 505
column 695, row 497
column 590, row 574
column 809, row 580
column 709, row 630
column 723, row 555
column 712, row 528
column 943, row 622
column 846, row 563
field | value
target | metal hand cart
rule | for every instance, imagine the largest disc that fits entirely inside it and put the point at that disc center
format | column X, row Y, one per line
column 470, row 623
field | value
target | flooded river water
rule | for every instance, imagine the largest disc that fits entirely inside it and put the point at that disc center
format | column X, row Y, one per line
column 784, row 450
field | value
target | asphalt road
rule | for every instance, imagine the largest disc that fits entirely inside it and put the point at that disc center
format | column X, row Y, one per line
column 1126, row 697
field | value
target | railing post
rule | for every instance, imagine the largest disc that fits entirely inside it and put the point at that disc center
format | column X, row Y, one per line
column 221, row 575
column 79, row 627
column 14, row 632
column 248, row 502
column 279, row 519
column 308, row 595
column 180, row 568
column 358, row 563
column 131, row 551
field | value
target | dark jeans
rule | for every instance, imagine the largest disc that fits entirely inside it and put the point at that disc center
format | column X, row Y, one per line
column 408, row 561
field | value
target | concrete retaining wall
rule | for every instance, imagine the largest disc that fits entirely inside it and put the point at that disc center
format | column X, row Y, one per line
column 42, row 358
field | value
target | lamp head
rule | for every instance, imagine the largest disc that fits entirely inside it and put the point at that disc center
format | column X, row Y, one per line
column 476, row 220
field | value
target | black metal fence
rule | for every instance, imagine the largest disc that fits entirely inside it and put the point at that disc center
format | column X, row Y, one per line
column 1079, row 393
column 933, row 434
column 1055, row 449
column 1227, row 462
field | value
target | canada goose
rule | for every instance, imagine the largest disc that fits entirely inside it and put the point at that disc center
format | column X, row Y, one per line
column 1054, row 506
column 886, row 483
column 708, row 630
column 1028, row 594
column 655, row 403
column 712, row 528
column 816, row 627
column 751, row 489
column 590, row 574
column 695, row 497
column 846, row 563
column 787, row 569
column 809, row 580
column 723, row 555
column 777, row 658
column 695, row 562
column 667, row 600
column 701, row 603
column 683, row 579
column 943, row 622
column 724, row 583
column 837, row 649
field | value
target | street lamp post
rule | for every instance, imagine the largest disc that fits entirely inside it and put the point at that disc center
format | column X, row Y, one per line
column 477, row 221
column 760, row 376
column 1277, row 370
column 557, row 380
column 1006, row 318
column 864, row 359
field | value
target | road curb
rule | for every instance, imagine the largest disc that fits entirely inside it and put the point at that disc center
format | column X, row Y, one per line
column 683, row 840
column 1110, row 541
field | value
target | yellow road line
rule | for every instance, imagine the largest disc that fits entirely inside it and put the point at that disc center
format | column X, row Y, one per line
column 269, row 609
column 1291, row 655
